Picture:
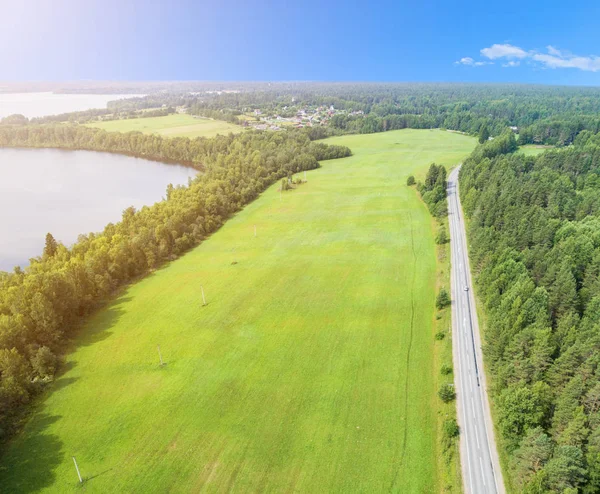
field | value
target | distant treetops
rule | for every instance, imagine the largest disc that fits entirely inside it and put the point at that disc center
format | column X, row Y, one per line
column 538, row 114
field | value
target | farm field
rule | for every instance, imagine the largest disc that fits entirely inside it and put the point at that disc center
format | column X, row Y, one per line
column 310, row 369
column 176, row 125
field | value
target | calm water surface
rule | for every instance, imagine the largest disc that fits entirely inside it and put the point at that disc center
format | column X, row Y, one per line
column 71, row 192
column 43, row 104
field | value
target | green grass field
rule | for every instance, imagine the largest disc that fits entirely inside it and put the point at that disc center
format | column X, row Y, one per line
column 311, row 369
column 533, row 149
column 176, row 125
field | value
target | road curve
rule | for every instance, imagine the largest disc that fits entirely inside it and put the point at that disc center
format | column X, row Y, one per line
column 479, row 456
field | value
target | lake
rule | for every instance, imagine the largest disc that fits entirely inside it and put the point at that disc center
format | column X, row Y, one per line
column 43, row 104
column 71, row 192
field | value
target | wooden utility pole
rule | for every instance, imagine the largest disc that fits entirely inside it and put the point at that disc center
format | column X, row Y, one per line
column 77, row 468
column 203, row 298
column 160, row 356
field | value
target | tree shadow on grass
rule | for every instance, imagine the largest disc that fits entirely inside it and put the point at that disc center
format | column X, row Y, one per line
column 61, row 383
column 28, row 461
column 93, row 331
column 96, row 327
column 29, row 466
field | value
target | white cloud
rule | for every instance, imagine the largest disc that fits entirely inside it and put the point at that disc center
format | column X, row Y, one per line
column 562, row 61
column 553, row 59
column 469, row 61
column 465, row 61
column 503, row 51
column 554, row 51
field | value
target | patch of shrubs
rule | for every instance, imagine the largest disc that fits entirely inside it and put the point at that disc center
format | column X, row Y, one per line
column 433, row 191
column 442, row 236
column 443, row 299
column 291, row 182
column 446, row 369
column 447, row 393
column 450, row 430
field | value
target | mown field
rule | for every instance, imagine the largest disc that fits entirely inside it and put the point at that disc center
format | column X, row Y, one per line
column 176, row 125
column 309, row 370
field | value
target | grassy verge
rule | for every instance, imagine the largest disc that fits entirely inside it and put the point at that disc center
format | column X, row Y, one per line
column 448, row 457
column 449, row 460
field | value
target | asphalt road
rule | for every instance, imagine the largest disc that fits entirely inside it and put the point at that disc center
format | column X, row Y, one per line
column 479, row 456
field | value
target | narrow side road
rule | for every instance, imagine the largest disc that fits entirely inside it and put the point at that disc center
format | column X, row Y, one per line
column 479, row 456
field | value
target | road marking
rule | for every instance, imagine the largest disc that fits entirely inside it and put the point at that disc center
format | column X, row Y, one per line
column 473, row 407
column 482, row 474
column 477, row 437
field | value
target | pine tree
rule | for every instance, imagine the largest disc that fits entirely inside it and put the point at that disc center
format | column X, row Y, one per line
column 576, row 432
column 566, row 470
column 563, row 294
column 51, row 246
column 484, row 133
column 432, row 176
column 533, row 453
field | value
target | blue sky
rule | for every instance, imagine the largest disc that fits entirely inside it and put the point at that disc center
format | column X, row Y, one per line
column 547, row 42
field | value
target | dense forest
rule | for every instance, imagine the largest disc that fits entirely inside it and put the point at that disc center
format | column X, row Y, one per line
column 41, row 305
column 534, row 229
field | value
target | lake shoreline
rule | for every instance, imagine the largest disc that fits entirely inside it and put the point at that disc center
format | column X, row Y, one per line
column 70, row 192
column 45, row 103
column 199, row 167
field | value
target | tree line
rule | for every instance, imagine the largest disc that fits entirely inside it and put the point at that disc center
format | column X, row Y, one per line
column 534, row 230
column 41, row 305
